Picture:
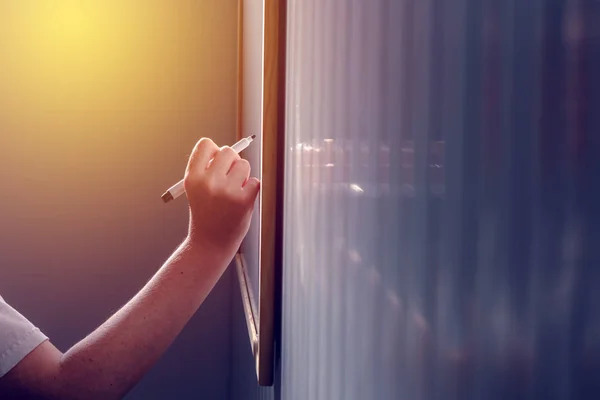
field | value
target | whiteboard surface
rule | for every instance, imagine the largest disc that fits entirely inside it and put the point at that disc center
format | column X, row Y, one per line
column 251, row 114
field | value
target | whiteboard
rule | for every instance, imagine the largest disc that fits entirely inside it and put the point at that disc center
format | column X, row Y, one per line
column 251, row 123
column 260, row 113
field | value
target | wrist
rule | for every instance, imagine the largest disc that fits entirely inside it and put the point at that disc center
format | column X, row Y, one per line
column 207, row 251
column 192, row 265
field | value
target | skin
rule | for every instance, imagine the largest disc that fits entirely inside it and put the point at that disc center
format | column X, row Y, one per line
column 114, row 357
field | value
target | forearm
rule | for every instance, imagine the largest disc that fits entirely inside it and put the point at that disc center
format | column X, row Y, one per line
column 112, row 359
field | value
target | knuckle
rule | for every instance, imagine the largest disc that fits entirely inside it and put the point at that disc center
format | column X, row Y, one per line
column 205, row 142
column 230, row 153
column 204, row 145
column 243, row 164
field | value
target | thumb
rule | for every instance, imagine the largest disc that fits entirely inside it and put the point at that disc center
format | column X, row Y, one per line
column 251, row 188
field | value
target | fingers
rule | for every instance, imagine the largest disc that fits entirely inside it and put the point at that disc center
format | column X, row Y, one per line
column 238, row 178
column 223, row 161
column 203, row 152
column 239, row 173
column 220, row 170
column 251, row 189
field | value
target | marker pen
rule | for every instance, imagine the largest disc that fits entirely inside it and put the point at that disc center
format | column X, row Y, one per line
column 177, row 189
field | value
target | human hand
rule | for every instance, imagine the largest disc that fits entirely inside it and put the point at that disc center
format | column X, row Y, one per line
column 221, row 197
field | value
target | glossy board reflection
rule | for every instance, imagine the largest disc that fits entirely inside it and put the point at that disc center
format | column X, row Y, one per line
column 442, row 213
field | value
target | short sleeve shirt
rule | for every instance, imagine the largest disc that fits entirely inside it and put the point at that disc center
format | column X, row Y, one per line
column 18, row 337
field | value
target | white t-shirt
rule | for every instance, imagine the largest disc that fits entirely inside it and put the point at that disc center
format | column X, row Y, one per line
column 18, row 337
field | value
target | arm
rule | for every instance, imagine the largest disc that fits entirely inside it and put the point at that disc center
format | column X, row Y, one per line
column 113, row 358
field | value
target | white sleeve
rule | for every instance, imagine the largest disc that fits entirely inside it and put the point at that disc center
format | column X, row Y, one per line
column 18, row 337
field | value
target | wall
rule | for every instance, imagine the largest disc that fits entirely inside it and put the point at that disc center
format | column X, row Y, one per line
column 441, row 203
column 100, row 104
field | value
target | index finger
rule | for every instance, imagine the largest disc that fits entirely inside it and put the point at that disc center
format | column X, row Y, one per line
column 223, row 161
column 203, row 152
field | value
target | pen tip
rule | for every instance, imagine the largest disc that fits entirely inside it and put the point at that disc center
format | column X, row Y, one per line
column 252, row 137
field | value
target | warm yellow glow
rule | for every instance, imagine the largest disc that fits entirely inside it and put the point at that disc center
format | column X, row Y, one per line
column 73, row 36
column 69, row 51
column 88, row 88
column 69, row 20
column 65, row 65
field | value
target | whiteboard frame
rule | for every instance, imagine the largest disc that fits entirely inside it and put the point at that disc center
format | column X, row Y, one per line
column 260, row 318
